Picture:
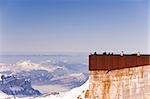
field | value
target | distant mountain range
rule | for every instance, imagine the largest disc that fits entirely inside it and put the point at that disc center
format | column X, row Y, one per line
column 67, row 71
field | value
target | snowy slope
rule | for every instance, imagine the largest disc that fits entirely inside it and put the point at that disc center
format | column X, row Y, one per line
column 73, row 94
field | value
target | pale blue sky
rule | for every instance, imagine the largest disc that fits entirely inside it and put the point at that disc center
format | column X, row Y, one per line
column 73, row 25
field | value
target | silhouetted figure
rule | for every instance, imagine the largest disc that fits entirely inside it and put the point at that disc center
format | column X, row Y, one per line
column 104, row 53
column 95, row 53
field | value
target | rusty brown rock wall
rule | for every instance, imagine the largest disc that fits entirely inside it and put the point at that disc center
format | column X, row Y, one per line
column 128, row 83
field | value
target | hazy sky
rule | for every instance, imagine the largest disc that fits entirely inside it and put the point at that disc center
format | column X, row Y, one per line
column 73, row 25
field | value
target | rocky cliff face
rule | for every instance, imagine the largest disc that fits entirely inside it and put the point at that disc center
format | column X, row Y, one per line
column 16, row 86
column 128, row 83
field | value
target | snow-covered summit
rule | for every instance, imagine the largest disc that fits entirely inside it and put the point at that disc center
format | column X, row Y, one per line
column 28, row 65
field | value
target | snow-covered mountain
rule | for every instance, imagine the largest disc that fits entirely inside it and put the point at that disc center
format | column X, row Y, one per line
column 26, row 65
column 65, row 71
column 46, row 73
